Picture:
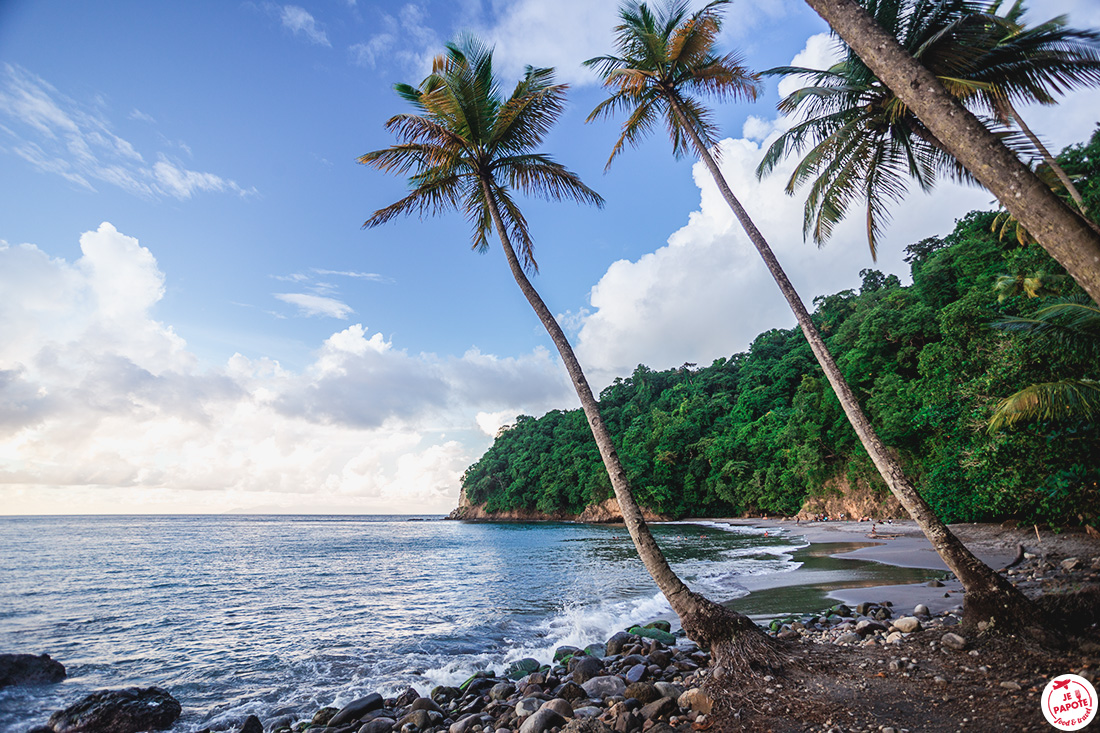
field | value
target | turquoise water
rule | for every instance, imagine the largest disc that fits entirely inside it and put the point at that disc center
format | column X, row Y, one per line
column 273, row 615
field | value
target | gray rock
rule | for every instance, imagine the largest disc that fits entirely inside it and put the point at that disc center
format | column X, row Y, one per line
column 356, row 709
column 669, row 689
column 425, row 703
column 381, row 724
column 953, row 641
column 618, row 642
column 603, row 687
column 1010, row 685
column 584, row 713
column 849, row 638
column 541, row 721
column 894, row 637
column 1070, row 563
column 420, row 718
column 596, row 650
column 570, row 691
column 636, row 673
column 323, row 716
column 502, row 691
column 564, row 652
column 118, row 711
column 934, row 584
column 921, row 610
column 464, row 724
column 868, row 626
column 659, row 708
column 27, row 669
column 528, row 706
column 585, row 668
column 907, row 624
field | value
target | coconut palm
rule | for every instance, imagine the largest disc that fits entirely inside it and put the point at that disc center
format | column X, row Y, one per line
column 1071, row 324
column 667, row 56
column 469, row 148
column 1065, row 235
column 865, row 143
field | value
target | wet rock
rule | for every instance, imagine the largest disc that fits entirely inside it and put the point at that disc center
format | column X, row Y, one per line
column 662, row 636
column 462, row 725
column 868, row 626
column 586, row 725
column 570, row 691
column 252, row 724
column 425, row 703
column 588, row 711
column 559, row 706
column 118, row 711
column 420, row 718
column 636, row 673
column 27, row 669
column 596, row 650
column 669, row 689
column 521, row 668
column 934, row 584
column 356, row 709
column 442, row 693
column 585, row 668
column 502, row 691
column 528, row 706
column 323, row 716
column 564, row 652
column 618, row 642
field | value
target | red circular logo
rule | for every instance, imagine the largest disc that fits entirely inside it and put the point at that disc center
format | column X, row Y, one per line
column 1069, row 702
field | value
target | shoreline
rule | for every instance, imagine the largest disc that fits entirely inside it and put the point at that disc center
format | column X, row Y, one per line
column 903, row 552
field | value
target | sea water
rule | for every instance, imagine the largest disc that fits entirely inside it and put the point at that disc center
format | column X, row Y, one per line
column 282, row 615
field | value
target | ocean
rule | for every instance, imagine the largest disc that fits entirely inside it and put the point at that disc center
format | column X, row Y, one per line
column 282, row 615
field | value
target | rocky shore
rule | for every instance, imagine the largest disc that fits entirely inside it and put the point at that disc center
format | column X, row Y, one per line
column 882, row 665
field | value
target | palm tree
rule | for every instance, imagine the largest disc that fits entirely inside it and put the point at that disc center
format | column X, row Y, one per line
column 865, row 142
column 1071, row 324
column 664, row 58
column 468, row 148
column 1065, row 235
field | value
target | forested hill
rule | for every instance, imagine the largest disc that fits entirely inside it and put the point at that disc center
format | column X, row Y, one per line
column 762, row 431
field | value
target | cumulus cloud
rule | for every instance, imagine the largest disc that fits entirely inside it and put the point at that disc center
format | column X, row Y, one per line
column 706, row 292
column 404, row 39
column 56, row 134
column 102, row 406
column 300, row 22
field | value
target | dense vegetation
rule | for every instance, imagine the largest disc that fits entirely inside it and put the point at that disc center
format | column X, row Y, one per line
column 761, row 431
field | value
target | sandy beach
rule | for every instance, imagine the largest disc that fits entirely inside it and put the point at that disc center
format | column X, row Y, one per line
column 907, row 563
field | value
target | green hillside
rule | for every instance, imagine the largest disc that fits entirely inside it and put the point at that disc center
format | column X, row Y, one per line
column 761, row 431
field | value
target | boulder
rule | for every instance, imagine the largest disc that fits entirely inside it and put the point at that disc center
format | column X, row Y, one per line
column 662, row 636
column 660, row 625
column 570, row 691
column 559, row 706
column 528, row 706
column 603, row 687
column 252, row 724
column 521, row 668
column 585, row 668
column 426, row 703
column 564, row 652
column 618, row 642
column 27, row 669
column 596, row 650
column 850, row 637
column 869, row 626
column 659, row 708
column 323, row 716
column 669, row 689
column 922, row 610
column 502, row 691
column 355, row 710
column 636, row 673
column 542, row 721
column 118, row 711
column 420, row 718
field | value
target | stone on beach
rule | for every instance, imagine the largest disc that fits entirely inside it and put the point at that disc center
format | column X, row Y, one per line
column 27, row 669
column 356, row 709
column 542, row 721
column 907, row 624
column 604, row 686
column 118, row 711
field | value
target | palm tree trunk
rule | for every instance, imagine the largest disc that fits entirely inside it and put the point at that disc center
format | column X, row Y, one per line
column 989, row 597
column 736, row 642
column 1011, row 113
column 1065, row 235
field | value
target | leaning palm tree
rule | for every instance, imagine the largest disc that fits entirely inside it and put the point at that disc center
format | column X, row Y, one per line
column 469, row 148
column 862, row 142
column 666, row 57
column 1064, row 234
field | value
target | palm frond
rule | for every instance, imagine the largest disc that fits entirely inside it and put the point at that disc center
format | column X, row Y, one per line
column 1077, row 399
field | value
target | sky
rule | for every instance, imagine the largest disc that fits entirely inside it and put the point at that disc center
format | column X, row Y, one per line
column 192, row 319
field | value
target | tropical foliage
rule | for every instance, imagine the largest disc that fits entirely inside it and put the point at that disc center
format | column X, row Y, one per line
column 862, row 143
column 761, row 431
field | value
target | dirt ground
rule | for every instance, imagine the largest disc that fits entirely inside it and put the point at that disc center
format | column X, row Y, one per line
column 994, row 684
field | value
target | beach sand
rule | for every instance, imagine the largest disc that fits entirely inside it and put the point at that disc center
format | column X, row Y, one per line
column 907, row 563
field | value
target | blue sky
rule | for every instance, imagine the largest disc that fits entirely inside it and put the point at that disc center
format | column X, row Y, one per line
column 192, row 320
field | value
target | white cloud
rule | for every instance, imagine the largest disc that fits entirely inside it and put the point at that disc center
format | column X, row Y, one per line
column 300, row 22
column 316, row 305
column 58, row 135
column 102, row 406
column 706, row 293
column 404, row 40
